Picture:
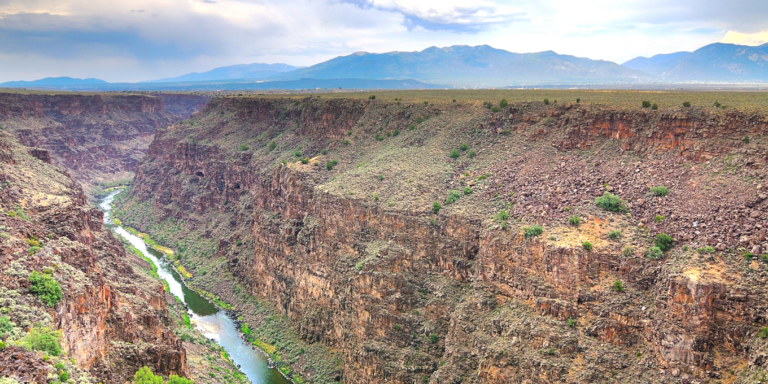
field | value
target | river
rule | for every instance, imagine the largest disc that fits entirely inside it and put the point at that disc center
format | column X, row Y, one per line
column 211, row 321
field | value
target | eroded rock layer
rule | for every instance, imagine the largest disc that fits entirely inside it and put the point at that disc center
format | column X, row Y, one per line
column 403, row 235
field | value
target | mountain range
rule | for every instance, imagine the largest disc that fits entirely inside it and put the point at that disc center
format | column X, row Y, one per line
column 459, row 67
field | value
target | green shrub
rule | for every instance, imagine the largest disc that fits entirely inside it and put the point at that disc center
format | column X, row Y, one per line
column 532, row 231
column 375, row 197
column 495, row 109
column 655, row 106
column 658, row 219
column 297, row 153
column 43, row 339
column 502, row 215
column 546, row 101
column 420, row 120
column 173, row 379
column 664, row 242
column 654, row 253
column 746, row 139
column 467, row 190
column 578, row 100
column 706, row 249
column 63, row 377
column 379, row 137
column 349, row 133
column 436, row 207
column 763, row 333
column 433, row 338
column 453, row 195
column 324, row 152
column 411, row 127
column 145, row 376
column 395, row 132
column 574, row 220
column 627, row 251
column 345, row 142
column 305, row 160
column 614, row 235
column 587, row 245
column 372, row 97
column 45, row 287
column 618, row 286
column 471, row 154
column 454, row 154
column 660, row 191
column 380, row 177
column 272, row 145
column 646, row 104
column 571, row 322
column 610, row 202
column 686, row 104
column 464, row 146
column 244, row 147
column 6, row 326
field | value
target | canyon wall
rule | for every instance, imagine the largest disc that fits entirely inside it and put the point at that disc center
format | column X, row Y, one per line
column 112, row 316
column 403, row 235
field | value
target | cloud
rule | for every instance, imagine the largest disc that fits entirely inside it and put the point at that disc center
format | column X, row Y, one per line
column 733, row 37
column 445, row 15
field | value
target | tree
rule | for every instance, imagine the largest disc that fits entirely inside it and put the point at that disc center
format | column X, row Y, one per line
column 145, row 376
column 45, row 287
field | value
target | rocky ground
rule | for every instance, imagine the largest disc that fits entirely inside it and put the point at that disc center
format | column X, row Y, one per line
column 321, row 214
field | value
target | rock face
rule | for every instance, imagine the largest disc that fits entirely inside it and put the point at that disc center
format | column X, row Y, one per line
column 98, row 138
column 112, row 317
column 325, row 209
column 183, row 105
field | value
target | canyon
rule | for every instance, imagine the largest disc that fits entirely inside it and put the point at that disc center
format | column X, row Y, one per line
column 386, row 241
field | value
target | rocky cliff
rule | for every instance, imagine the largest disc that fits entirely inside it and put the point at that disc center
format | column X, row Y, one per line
column 183, row 105
column 450, row 243
column 109, row 318
column 99, row 138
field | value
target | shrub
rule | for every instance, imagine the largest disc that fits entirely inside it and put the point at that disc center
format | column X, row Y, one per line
column 660, row 191
column 379, row 137
column 502, row 215
column 587, row 245
column 433, row 338
column 627, row 251
column 324, row 152
column 610, row 202
column 454, row 154
column 453, row 195
column 686, row 104
column 43, row 339
column 464, row 146
column 411, row 127
column 375, row 197
column 467, row 190
column 546, row 101
column 614, row 235
column 574, row 220
column 471, row 154
column 658, row 219
column 646, row 104
column 45, row 287
column 372, row 97
column 655, row 106
column 618, row 286
column 244, row 147
column 272, row 145
column 6, row 326
column 763, row 333
column 435, row 207
column 533, row 231
column 297, row 153
column 395, row 132
column 380, row 177
column 654, row 253
column 63, row 377
column 578, row 100
column 571, row 322
column 419, row 120
column 179, row 380
column 329, row 165
column 664, row 242
column 746, row 139
column 487, row 104
column 145, row 376
column 495, row 109
column 503, row 103
column 349, row 133
column 305, row 160
column 345, row 142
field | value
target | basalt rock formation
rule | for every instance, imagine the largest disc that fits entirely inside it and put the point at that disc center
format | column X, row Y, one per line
column 98, row 138
column 450, row 243
column 112, row 318
column 183, row 105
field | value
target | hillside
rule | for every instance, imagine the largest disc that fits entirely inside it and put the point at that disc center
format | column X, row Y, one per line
column 254, row 71
column 405, row 235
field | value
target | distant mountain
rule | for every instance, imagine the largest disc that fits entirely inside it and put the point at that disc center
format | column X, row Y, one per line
column 719, row 62
column 53, row 82
column 233, row 72
column 465, row 66
column 656, row 64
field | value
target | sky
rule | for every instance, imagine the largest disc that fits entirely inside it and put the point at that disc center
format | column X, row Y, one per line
column 137, row 40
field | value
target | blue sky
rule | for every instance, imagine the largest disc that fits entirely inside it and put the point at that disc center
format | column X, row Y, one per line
column 121, row 40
